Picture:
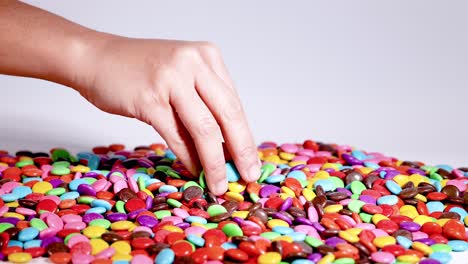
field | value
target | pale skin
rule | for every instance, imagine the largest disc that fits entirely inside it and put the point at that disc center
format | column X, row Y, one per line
column 182, row 89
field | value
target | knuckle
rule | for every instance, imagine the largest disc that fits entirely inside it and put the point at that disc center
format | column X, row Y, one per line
column 186, row 54
column 215, row 165
column 207, row 127
column 247, row 152
column 233, row 113
column 208, row 49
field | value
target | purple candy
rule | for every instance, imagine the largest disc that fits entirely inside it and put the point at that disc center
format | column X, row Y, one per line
column 286, row 204
column 149, row 202
column 183, row 225
column 351, row 160
column 11, row 220
column 315, row 257
column 368, row 199
column 318, row 226
column 426, row 241
column 282, row 217
column 164, row 194
column 135, row 213
column 429, row 261
column 344, row 190
column 410, row 226
column 49, row 240
column 56, row 182
column 114, row 217
column 333, row 241
column 298, row 167
column 90, row 217
column 91, row 174
column 303, row 221
column 146, row 220
column 268, row 190
column 238, row 220
column 416, row 171
column 86, row 189
column 329, row 170
column 146, row 163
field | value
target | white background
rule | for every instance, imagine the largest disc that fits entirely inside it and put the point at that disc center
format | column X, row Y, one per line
column 383, row 76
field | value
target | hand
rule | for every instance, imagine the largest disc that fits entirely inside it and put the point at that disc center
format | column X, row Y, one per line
column 183, row 90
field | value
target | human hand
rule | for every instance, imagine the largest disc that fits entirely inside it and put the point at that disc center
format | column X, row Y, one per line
column 180, row 88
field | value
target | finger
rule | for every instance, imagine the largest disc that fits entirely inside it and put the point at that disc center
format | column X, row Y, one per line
column 168, row 125
column 227, row 109
column 212, row 57
column 206, row 135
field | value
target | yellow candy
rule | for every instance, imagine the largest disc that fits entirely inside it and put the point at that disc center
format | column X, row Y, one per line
column 308, row 194
column 286, row 156
column 443, row 182
column 419, row 246
column 42, row 187
column 334, row 208
column 272, row 159
column 150, row 171
column 366, row 170
column 422, row 219
column 269, row 258
column 420, row 197
column 260, row 154
column 24, row 158
column 119, row 256
column 20, row 257
column 321, row 175
column 98, row 245
column 465, row 220
column 122, row 247
column 236, row 187
column 94, row 231
column 383, row 241
column 122, row 225
column 12, row 204
column 417, row 179
column 287, row 190
column 297, row 162
column 409, row 211
column 3, row 164
column 148, row 192
column 276, row 222
column 348, row 236
column 15, row 215
column 241, row 214
column 333, row 166
column 354, row 231
column 234, row 196
column 401, row 179
column 284, row 238
column 173, row 228
column 328, row 259
column 408, row 259
column 442, row 221
column 159, row 152
column 80, row 168
column 399, row 162
column 284, row 196
column 378, row 217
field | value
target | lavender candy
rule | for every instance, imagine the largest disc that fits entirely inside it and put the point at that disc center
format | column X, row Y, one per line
column 146, row 220
column 286, row 204
column 87, row 218
column 114, row 217
column 268, row 190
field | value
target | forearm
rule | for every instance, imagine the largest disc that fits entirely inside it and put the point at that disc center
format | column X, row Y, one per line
column 35, row 43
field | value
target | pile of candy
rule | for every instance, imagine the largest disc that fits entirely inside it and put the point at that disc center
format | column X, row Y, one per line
column 314, row 203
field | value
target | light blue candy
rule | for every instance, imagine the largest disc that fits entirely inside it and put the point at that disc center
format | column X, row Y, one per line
column 70, row 196
column 29, row 179
column 445, row 167
column 283, row 166
column 196, row 219
column 15, row 243
column 393, row 187
column 168, row 189
column 228, row 245
column 151, row 181
column 382, row 174
column 442, row 257
column 120, row 262
column 297, row 174
column 170, row 155
column 297, row 236
column 101, row 203
column 28, row 233
column 327, row 185
column 388, row 199
column 165, row 256
column 283, row 230
column 98, row 210
column 73, row 185
column 371, row 165
column 302, row 261
column 435, row 206
column 137, row 175
column 458, row 245
column 359, row 154
column 462, row 212
column 10, row 197
column 404, row 242
column 275, row 178
column 437, row 185
column 196, row 240
column 22, row 191
column 32, row 243
column 232, row 173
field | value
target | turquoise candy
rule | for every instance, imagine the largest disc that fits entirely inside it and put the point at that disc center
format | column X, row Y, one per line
column 297, row 174
column 101, row 203
column 196, row 240
column 283, row 230
column 393, row 187
column 10, row 197
column 228, row 245
column 297, row 236
column 359, row 154
column 15, row 243
column 442, row 257
column 302, row 261
column 98, row 210
column 167, row 189
column 32, row 243
column 275, row 178
column 70, row 196
column 404, row 242
column 28, row 233
column 73, row 185
column 458, row 245
column 435, row 206
column 22, row 191
column 170, row 155
column 196, row 219
column 165, row 256
column 326, row 184
column 388, row 199
column 232, row 173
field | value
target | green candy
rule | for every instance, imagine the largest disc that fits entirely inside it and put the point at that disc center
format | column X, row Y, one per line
column 201, row 179
column 60, row 154
column 355, row 196
column 303, row 183
column 337, row 182
column 57, row 191
column 85, row 199
column 174, row 203
column 162, row 168
column 216, row 209
column 267, row 169
column 23, row 163
column 441, row 248
column 173, row 174
column 357, row 187
column 435, row 176
column 90, row 180
column 190, row 184
column 232, row 230
column 5, row 226
column 60, row 170
column 38, row 224
column 344, row 261
column 270, row 235
column 355, row 205
column 120, row 206
column 313, row 242
column 211, row 225
column 142, row 170
column 162, row 213
column 254, row 197
column 61, row 163
column 141, row 183
column 100, row 222
column 367, row 218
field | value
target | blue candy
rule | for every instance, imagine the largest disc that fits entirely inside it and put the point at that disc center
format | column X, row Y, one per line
column 98, row 210
column 170, row 155
column 297, row 174
column 70, row 196
column 168, row 189
column 232, row 173
column 458, row 245
column 15, row 243
column 196, row 240
column 442, row 257
column 165, row 256
column 10, row 197
column 393, row 187
column 327, row 185
column 435, row 206
column 297, row 236
column 302, row 261
column 32, row 243
column 28, row 233
column 228, row 245
column 404, row 242
column 388, row 199
column 275, row 178
column 22, row 191
column 101, row 203
column 283, row 230
column 73, row 185
column 196, row 219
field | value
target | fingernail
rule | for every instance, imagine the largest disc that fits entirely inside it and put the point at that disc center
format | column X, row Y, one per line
column 254, row 172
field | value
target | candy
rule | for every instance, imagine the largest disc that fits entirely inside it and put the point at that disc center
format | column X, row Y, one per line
column 313, row 203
